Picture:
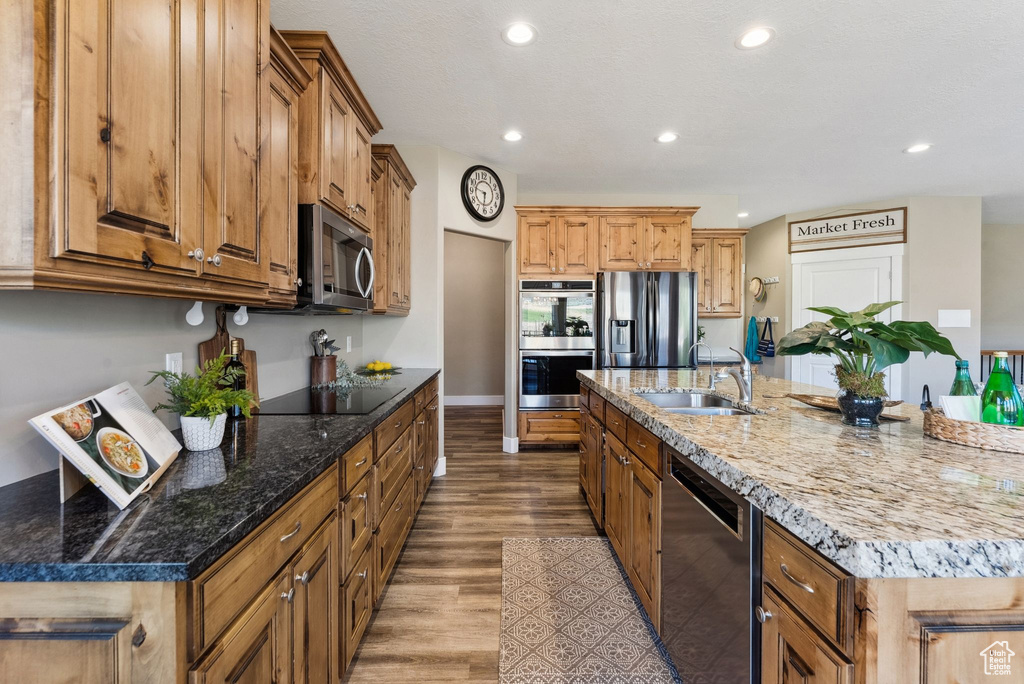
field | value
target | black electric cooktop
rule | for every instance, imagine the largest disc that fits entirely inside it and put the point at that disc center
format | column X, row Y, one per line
column 306, row 402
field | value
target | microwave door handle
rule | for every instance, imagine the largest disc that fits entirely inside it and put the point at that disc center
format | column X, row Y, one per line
column 373, row 273
column 359, row 282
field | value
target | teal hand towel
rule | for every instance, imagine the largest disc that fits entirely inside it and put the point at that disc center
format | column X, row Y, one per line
column 750, row 350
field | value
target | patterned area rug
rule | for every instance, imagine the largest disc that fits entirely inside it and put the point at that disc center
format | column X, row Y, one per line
column 568, row 616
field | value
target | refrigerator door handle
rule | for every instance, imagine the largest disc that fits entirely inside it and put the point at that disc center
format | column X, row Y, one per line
column 653, row 312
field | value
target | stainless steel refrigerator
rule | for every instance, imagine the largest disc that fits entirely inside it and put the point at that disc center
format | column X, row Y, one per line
column 647, row 319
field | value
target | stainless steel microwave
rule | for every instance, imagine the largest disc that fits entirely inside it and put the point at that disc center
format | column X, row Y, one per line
column 335, row 263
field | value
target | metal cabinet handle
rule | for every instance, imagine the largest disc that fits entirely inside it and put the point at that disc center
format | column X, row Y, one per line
column 641, row 444
column 196, row 254
column 399, row 506
column 433, row 407
column 351, row 207
column 582, row 450
column 304, row 578
column 215, row 260
column 361, row 496
column 561, row 269
column 361, row 575
column 762, row 615
column 421, row 422
column 398, row 424
column 298, row 282
column 558, row 415
column 289, row 595
column 552, row 269
column 640, row 264
column 419, row 467
column 785, row 573
column 298, row 526
column 648, row 264
column 361, row 463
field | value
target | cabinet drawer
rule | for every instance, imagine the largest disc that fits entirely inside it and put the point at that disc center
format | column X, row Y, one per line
column 393, row 426
column 554, row 427
column 390, row 473
column 596, row 404
column 426, row 393
column 388, row 540
column 584, row 397
column 615, row 422
column 356, row 524
column 645, row 445
column 223, row 592
column 821, row 592
column 357, row 606
column 356, row 462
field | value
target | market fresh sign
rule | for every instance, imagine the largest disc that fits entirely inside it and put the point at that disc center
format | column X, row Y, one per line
column 852, row 230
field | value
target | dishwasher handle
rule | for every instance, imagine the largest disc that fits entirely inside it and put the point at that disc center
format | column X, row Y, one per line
column 727, row 511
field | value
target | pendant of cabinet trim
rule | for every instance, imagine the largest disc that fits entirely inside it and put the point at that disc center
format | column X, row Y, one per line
column 392, row 213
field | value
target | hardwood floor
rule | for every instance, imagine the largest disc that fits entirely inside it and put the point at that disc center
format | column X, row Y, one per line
column 438, row 620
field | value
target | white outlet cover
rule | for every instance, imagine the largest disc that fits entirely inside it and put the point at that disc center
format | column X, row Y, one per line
column 348, row 343
column 173, row 362
column 954, row 318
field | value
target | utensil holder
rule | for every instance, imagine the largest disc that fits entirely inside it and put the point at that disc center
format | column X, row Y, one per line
column 322, row 370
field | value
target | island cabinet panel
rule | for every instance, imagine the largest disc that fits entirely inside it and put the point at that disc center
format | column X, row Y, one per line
column 793, row 654
column 615, row 421
column 645, row 445
column 616, row 496
column 667, row 243
column 584, row 456
column 621, row 242
column 315, row 617
column 538, row 242
column 593, row 444
column 643, row 550
column 257, row 647
column 576, row 238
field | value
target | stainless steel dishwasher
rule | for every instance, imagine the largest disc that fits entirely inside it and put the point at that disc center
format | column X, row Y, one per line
column 711, row 577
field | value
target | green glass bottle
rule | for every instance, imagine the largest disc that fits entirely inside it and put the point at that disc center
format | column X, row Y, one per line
column 1001, row 402
column 963, row 386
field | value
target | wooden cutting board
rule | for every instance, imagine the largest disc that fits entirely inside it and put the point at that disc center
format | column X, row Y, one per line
column 221, row 342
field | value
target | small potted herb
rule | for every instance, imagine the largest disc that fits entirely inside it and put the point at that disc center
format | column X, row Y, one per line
column 203, row 400
column 864, row 348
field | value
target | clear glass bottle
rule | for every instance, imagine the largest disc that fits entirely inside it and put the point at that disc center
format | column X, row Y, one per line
column 1001, row 402
column 963, row 386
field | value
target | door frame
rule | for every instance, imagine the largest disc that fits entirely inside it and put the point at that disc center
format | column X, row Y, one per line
column 897, row 255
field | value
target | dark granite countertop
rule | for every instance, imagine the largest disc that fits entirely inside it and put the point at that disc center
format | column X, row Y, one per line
column 203, row 505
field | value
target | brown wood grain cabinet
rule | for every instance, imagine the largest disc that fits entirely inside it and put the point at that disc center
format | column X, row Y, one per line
column 792, row 653
column 315, row 618
column 336, row 123
column 643, row 537
column 622, row 243
column 561, row 426
column 616, row 498
column 716, row 255
column 392, row 233
column 576, row 240
column 537, row 245
column 659, row 242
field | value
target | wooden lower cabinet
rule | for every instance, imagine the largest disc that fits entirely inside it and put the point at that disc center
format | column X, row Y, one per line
column 389, row 538
column 616, row 494
column 357, row 604
column 792, row 653
column 644, row 541
column 314, row 616
column 549, row 427
column 593, row 445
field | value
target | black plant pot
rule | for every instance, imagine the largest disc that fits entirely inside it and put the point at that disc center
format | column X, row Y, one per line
column 860, row 411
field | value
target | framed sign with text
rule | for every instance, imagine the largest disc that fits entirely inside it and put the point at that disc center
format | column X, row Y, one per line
column 863, row 229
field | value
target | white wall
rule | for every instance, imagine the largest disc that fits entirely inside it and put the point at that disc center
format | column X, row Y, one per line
column 1002, row 315
column 58, row 347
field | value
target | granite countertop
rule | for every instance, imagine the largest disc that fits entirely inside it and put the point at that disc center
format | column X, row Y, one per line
column 886, row 502
column 202, row 506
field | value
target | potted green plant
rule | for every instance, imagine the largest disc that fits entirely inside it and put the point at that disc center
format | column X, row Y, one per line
column 864, row 348
column 202, row 401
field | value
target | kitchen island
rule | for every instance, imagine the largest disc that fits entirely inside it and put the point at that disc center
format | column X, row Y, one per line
column 912, row 548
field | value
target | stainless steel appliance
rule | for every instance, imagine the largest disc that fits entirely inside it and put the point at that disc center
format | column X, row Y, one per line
column 647, row 319
column 305, row 402
column 556, row 314
column 335, row 263
column 547, row 377
column 711, row 577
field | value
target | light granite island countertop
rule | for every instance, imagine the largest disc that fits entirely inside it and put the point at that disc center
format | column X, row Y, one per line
column 885, row 502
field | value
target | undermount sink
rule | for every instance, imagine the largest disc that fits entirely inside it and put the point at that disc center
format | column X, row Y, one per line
column 694, row 403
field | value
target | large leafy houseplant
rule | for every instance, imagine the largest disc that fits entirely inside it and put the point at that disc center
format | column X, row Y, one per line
column 864, row 347
column 202, row 400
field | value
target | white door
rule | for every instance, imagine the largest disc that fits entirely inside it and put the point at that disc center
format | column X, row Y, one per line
column 849, row 284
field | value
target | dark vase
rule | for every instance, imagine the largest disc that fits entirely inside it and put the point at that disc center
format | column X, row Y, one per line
column 860, row 411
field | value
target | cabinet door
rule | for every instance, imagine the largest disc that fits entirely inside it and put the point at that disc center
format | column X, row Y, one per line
column 615, row 495
column 396, row 241
column 357, row 604
column 595, row 469
column 700, row 262
column 584, row 455
column 237, row 48
column 127, row 133
column 621, row 243
column 667, row 243
column 382, row 208
column 406, row 253
column 335, row 161
column 257, row 648
column 577, row 246
column 357, row 523
column 644, row 537
column 727, row 274
column 793, row 654
column 315, row 609
column 359, row 194
column 279, row 178
column 435, row 437
column 537, row 245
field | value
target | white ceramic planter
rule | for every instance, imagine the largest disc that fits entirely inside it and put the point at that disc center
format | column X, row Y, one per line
column 199, row 434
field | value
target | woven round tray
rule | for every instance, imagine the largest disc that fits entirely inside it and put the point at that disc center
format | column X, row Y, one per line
column 972, row 434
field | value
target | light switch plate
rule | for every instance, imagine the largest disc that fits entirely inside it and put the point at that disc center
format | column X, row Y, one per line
column 172, row 362
column 348, row 343
column 954, row 318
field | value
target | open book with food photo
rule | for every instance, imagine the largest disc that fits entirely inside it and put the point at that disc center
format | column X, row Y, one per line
column 114, row 439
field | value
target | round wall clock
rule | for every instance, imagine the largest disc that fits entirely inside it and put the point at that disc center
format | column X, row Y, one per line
column 482, row 193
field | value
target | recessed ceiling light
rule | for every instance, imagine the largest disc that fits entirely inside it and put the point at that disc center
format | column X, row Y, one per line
column 512, row 136
column 919, row 147
column 668, row 137
column 755, row 38
column 519, row 34
column 743, row 214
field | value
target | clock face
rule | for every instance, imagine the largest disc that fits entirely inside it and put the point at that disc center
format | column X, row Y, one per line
column 482, row 193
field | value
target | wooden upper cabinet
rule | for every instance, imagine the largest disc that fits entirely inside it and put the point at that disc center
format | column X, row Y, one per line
column 576, row 253
column 727, row 274
column 537, row 245
column 335, row 126
column 392, row 233
column 700, row 263
column 279, row 160
column 128, row 120
column 667, row 243
column 622, row 243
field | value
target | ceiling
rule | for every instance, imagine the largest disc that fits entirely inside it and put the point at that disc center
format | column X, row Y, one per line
column 818, row 117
